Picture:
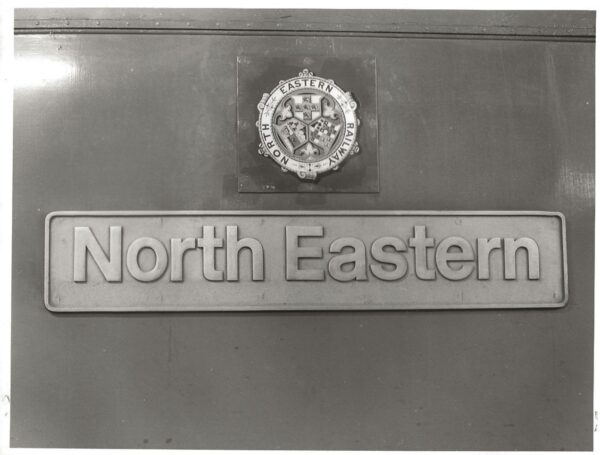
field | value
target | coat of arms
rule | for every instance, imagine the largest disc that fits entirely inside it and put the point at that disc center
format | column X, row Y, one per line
column 308, row 125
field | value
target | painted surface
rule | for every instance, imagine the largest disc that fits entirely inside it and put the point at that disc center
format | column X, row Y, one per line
column 148, row 122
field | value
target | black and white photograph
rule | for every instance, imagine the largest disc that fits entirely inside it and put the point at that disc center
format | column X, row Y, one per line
column 297, row 227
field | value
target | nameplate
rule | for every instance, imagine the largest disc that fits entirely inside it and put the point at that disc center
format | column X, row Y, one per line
column 291, row 260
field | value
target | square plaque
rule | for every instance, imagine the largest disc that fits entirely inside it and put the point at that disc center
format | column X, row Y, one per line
column 258, row 75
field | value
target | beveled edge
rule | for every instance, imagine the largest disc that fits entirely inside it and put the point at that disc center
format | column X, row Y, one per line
column 47, row 222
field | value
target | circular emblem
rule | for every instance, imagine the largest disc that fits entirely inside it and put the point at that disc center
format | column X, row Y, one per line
column 308, row 125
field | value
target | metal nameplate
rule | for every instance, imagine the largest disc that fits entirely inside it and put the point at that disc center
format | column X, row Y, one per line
column 284, row 260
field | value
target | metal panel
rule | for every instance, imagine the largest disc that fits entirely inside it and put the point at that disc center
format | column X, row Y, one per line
column 480, row 23
column 146, row 121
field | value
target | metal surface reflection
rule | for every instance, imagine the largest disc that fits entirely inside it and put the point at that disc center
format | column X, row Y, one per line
column 34, row 72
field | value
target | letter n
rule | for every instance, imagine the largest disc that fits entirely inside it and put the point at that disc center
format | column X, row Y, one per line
column 85, row 242
column 510, row 258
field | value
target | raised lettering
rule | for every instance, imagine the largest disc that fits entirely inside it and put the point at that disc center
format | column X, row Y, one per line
column 235, row 246
column 357, row 258
column 85, row 242
column 443, row 256
column 420, row 242
column 178, row 249
column 484, row 248
column 511, row 247
column 209, row 243
column 397, row 261
column 294, row 253
column 161, row 259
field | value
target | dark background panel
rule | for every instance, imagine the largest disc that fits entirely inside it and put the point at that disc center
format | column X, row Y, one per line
column 148, row 122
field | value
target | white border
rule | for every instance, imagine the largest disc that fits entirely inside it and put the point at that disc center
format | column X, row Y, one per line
column 6, row 23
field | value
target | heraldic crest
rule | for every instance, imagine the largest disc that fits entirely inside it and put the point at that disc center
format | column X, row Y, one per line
column 308, row 125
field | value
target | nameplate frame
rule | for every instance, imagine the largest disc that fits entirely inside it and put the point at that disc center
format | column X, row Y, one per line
column 135, row 261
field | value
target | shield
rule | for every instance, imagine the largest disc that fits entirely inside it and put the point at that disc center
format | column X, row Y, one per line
column 307, row 106
column 292, row 133
column 324, row 132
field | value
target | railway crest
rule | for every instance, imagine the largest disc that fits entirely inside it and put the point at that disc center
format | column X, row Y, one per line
column 308, row 125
